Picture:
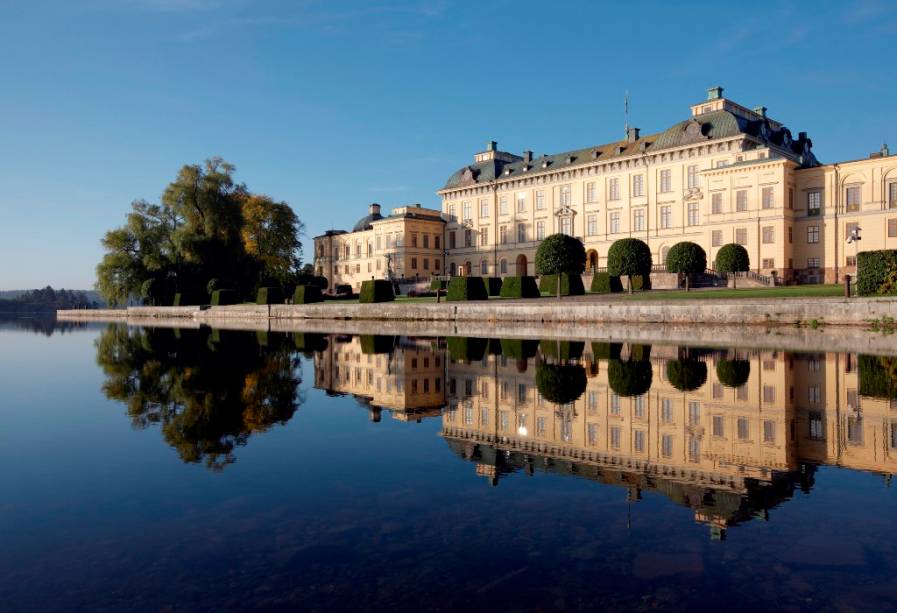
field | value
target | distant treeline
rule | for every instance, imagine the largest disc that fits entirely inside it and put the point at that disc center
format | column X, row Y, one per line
column 47, row 299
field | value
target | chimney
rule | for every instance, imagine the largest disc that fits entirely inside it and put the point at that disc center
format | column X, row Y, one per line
column 632, row 134
column 714, row 93
column 374, row 209
column 885, row 152
column 527, row 156
column 492, row 146
column 801, row 136
column 760, row 110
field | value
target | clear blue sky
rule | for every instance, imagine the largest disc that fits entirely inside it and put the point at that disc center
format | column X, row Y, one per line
column 333, row 105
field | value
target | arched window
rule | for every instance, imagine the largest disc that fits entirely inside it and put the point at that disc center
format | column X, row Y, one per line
column 521, row 265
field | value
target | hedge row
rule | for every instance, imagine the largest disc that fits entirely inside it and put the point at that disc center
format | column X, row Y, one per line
column 877, row 273
column 307, row 294
column 269, row 295
column 571, row 285
column 562, row 350
column 494, row 285
column 466, row 348
column 520, row 287
column 222, row 297
column 467, row 288
column 603, row 283
column 376, row 290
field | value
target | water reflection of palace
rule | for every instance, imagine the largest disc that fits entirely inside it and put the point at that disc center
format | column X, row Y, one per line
column 731, row 446
column 401, row 374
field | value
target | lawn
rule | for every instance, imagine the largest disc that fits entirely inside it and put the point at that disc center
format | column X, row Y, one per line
column 793, row 291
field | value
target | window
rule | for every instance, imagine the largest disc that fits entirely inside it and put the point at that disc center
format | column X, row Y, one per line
column 716, row 201
column 521, row 233
column 767, row 198
column 790, row 197
column 790, row 235
column 716, row 238
column 892, row 228
column 769, row 431
column 567, row 226
column 465, row 210
column 768, row 263
column 692, row 177
column 451, row 212
column 540, row 200
column 521, row 202
column 638, row 185
column 666, row 411
column 592, row 225
column 741, row 200
column 540, row 230
column 814, row 203
column 722, row 163
column 503, row 234
column 744, row 429
column 718, row 426
column 590, row 191
column 851, row 260
column 484, row 237
column 426, row 238
column 813, row 394
column 850, row 229
column 892, row 195
column 468, row 238
column 503, row 205
column 666, row 445
column 437, row 241
column 614, row 223
column 812, row 234
column 693, row 214
column 638, row 220
column 741, row 236
column 614, row 189
column 852, row 199
column 435, row 265
column 413, row 263
column 615, row 437
column 769, row 235
column 666, row 182
column 484, row 208
column 666, row 216
column 565, row 195
column 503, row 267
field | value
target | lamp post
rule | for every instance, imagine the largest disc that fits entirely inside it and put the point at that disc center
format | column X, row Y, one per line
column 854, row 238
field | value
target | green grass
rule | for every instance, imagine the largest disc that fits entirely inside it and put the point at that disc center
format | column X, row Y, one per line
column 794, row 291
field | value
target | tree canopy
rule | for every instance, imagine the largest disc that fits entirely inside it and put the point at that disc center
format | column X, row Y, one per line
column 687, row 258
column 559, row 254
column 205, row 227
column 629, row 257
column 732, row 258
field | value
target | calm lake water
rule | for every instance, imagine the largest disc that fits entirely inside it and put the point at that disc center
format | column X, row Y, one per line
column 195, row 469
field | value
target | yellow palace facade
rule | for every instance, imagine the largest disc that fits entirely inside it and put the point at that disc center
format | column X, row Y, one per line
column 725, row 174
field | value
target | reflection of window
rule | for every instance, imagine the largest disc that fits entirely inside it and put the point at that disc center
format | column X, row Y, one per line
column 816, row 429
column 639, row 407
column 694, row 449
column 666, row 445
column 540, row 426
column 666, row 411
column 638, row 441
column 894, row 432
column 769, row 393
column 503, row 420
column 813, row 394
column 614, row 404
column 694, row 413
column 717, row 390
column 769, row 431
column 592, row 433
column 615, row 437
column 743, row 428
column 855, row 430
column 718, row 427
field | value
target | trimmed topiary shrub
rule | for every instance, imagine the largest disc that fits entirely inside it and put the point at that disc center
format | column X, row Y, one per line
column 562, row 350
column 343, row 288
column 571, row 284
column 878, row 376
column 436, row 284
column 223, row 297
column 560, row 383
column 494, row 346
column 376, row 343
column 466, row 348
column 686, row 258
column 519, row 349
column 307, row 294
column 604, row 283
column 877, row 273
column 732, row 258
column 733, row 373
column 640, row 282
column 376, row 290
column 519, row 287
column 269, row 295
column 212, row 285
column 629, row 378
column 686, row 375
column 629, row 257
column 466, row 288
column 607, row 351
column 493, row 286
column 560, row 253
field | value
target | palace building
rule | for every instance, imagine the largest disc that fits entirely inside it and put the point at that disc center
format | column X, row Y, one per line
column 406, row 244
column 725, row 174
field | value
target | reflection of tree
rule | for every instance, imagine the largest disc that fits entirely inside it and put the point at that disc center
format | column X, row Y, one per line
column 878, row 376
column 631, row 377
column 733, row 373
column 209, row 391
column 686, row 375
column 560, row 383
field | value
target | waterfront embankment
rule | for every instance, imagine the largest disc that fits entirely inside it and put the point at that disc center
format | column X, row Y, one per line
column 742, row 312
